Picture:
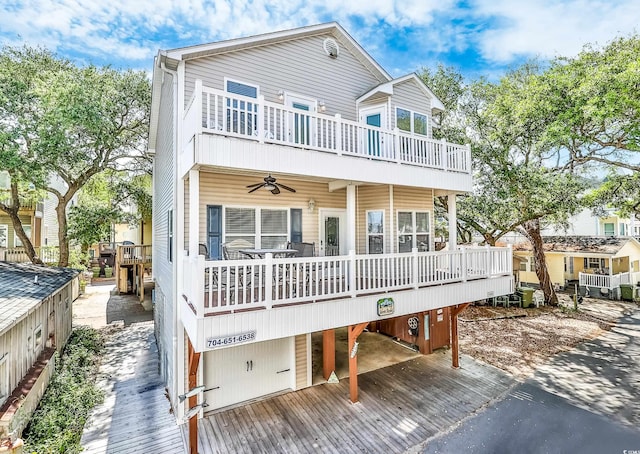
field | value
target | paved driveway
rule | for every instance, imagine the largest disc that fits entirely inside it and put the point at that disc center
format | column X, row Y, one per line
column 586, row 400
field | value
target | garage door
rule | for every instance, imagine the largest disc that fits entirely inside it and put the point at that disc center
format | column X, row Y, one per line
column 237, row 374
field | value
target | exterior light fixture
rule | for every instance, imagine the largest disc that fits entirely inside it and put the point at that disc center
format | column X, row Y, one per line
column 312, row 205
column 281, row 95
column 322, row 106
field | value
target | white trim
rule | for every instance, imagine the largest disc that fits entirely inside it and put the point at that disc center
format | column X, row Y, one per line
column 5, row 227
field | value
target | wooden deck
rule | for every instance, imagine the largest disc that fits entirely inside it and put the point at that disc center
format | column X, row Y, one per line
column 135, row 416
column 400, row 407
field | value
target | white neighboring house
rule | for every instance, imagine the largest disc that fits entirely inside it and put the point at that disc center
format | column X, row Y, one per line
column 35, row 322
column 312, row 109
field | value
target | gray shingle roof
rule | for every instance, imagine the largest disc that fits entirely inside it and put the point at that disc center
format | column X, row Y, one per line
column 19, row 293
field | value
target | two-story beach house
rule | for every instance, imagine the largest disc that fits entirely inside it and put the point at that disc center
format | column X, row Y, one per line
column 294, row 185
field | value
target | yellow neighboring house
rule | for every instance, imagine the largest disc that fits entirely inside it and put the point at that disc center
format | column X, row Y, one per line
column 602, row 262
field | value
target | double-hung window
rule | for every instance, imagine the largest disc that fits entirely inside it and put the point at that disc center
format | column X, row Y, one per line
column 375, row 232
column 413, row 231
column 609, row 229
column 242, row 113
column 263, row 228
column 4, row 377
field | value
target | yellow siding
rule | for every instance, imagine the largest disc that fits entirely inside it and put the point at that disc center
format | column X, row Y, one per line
column 302, row 379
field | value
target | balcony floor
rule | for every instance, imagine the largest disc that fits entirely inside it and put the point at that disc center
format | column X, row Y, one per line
column 400, row 406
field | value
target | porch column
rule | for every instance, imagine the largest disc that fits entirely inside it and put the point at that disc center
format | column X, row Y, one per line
column 455, row 360
column 194, row 212
column 328, row 352
column 194, row 359
column 451, row 202
column 351, row 217
column 354, row 331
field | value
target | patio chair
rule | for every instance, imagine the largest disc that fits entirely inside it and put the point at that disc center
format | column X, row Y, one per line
column 203, row 250
column 304, row 249
column 230, row 249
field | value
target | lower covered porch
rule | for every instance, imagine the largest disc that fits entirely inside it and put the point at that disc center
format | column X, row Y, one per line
column 400, row 407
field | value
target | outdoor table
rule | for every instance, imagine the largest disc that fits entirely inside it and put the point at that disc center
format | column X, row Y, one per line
column 260, row 253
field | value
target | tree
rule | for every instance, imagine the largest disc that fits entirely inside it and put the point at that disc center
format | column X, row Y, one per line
column 88, row 120
column 592, row 104
column 617, row 191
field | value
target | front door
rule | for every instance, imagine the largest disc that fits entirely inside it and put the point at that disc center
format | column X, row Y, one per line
column 373, row 139
column 333, row 232
column 301, row 124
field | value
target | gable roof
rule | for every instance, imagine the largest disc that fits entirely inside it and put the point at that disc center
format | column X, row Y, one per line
column 19, row 294
column 387, row 88
column 169, row 59
column 583, row 244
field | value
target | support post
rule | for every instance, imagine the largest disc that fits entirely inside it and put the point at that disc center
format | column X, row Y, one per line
column 455, row 354
column 328, row 352
column 194, row 360
column 453, row 231
column 354, row 331
column 194, row 211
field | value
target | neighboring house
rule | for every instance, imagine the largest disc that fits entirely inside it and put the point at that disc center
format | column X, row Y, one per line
column 312, row 109
column 599, row 262
column 35, row 322
column 30, row 215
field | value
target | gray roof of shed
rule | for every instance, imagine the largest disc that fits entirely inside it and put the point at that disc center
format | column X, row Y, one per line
column 19, row 295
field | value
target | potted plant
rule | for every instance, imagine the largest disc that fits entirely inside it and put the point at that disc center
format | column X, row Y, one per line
column 108, row 271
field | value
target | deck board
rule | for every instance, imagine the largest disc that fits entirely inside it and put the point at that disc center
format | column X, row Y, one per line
column 134, row 416
column 400, row 407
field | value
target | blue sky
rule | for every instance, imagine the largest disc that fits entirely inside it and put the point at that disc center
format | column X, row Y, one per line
column 483, row 37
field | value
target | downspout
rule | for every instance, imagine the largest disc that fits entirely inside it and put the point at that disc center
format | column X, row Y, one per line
column 178, row 409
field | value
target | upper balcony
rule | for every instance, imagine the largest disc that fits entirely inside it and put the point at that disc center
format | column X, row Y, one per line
column 279, row 138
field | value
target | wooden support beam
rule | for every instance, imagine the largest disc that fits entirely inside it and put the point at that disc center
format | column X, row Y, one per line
column 455, row 351
column 354, row 331
column 194, row 360
column 328, row 352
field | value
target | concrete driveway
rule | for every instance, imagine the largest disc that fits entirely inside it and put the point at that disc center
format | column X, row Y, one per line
column 586, row 400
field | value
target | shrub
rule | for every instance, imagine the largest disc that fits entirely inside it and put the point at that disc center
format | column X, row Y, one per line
column 56, row 425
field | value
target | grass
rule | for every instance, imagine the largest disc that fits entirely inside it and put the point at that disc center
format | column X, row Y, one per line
column 56, row 425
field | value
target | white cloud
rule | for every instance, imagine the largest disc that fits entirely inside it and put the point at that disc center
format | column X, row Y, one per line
column 548, row 28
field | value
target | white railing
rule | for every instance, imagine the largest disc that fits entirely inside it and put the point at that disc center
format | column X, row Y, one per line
column 225, row 286
column 267, row 122
column 48, row 254
column 608, row 281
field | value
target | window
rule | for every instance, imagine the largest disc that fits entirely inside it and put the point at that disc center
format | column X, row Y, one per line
column 262, row 227
column 623, row 230
column 594, row 263
column 27, row 231
column 413, row 122
column 609, row 229
column 242, row 115
column 4, row 377
column 532, row 264
column 523, row 265
column 4, row 235
column 296, row 225
column 37, row 338
column 170, row 235
column 375, row 232
column 413, row 230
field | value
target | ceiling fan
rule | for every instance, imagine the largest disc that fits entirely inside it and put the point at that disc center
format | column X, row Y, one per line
column 270, row 185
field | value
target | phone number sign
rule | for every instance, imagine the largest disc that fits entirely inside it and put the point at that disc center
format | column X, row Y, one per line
column 226, row 341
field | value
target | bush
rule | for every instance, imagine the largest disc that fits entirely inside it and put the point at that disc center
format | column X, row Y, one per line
column 56, row 425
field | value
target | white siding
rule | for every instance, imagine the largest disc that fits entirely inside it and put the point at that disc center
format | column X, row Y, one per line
column 163, row 190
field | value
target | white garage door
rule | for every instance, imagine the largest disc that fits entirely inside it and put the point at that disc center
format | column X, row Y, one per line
column 248, row 371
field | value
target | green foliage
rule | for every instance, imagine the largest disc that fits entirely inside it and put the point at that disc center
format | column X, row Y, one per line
column 56, row 426
column 63, row 123
column 618, row 191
